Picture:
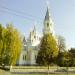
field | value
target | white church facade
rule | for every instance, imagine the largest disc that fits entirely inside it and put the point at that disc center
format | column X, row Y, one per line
column 31, row 45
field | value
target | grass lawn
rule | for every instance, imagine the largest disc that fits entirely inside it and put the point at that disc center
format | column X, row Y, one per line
column 3, row 72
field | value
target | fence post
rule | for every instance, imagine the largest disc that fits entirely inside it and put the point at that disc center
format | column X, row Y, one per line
column 48, row 70
column 67, row 70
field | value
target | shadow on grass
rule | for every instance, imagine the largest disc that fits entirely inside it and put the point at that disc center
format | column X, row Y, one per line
column 4, row 68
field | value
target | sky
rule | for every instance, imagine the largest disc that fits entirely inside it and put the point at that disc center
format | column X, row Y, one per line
column 24, row 14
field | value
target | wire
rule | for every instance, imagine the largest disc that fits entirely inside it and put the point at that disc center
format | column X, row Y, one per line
column 19, row 12
column 8, row 12
column 18, row 15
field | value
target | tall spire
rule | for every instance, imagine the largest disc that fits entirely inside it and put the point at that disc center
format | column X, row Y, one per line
column 34, row 29
column 48, row 23
column 47, row 16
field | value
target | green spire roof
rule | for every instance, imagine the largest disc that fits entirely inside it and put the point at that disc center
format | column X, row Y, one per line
column 47, row 17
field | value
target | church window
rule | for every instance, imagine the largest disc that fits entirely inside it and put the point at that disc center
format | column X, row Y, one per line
column 32, row 40
column 35, row 57
column 24, row 57
column 39, row 38
column 35, row 37
column 47, row 24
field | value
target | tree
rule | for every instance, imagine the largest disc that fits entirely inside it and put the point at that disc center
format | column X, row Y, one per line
column 61, row 44
column 72, row 51
column 48, row 50
column 1, row 43
column 65, row 59
column 11, row 46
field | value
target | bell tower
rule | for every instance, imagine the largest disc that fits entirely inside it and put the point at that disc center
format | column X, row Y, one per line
column 48, row 23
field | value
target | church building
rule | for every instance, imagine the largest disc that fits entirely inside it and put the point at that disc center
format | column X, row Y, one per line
column 31, row 45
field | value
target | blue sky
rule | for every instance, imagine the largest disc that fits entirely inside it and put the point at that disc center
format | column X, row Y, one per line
column 24, row 13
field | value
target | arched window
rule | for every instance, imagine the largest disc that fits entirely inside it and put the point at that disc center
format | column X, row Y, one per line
column 39, row 38
column 24, row 57
column 35, row 57
column 47, row 24
column 32, row 40
column 34, row 37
